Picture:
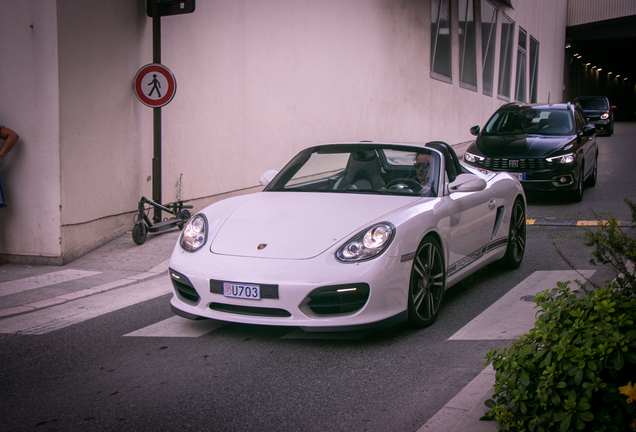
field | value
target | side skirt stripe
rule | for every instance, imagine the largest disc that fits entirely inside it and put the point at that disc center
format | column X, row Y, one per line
column 469, row 259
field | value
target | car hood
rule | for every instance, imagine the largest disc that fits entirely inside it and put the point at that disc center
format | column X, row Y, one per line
column 519, row 146
column 297, row 225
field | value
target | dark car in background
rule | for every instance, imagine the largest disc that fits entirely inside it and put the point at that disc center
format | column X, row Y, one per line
column 598, row 111
column 546, row 147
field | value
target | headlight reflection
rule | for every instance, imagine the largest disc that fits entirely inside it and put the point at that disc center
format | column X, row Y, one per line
column 367, row 244
column 194, row 234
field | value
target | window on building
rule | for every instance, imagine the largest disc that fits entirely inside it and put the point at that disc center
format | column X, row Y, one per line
column 505, row 57
column 488, row 38
column 467, row 49
column 534, row 69
column 522, row 69
column 441, row 40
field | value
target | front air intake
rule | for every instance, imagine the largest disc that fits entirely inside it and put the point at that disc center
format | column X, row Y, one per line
column 338, row 299
column 183, row 287
column 250, row 310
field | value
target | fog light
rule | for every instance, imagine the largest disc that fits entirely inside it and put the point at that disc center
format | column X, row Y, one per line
column 563, row 180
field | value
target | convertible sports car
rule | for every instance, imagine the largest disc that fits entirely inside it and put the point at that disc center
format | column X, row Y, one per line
column 348, row 236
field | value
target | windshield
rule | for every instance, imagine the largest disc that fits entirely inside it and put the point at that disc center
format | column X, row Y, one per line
column 531, row 121
column 363, row 169
column 593, row 104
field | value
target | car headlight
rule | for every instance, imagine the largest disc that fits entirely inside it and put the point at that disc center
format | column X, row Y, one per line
column 470, row 157
column 563, row 159
column 367, row 244
column 195, row 233
column 605, row 116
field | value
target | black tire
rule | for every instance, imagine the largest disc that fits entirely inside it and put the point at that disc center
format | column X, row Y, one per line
column 139, row 233
column 516, row 237
column 427, row 285
column 183, row 216
column 577, row 194
column 591, row 180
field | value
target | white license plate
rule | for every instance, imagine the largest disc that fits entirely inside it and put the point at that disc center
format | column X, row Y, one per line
column 243, row 291
column 519, row 176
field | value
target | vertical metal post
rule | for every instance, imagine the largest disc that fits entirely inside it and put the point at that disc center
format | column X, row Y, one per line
column 156, row 116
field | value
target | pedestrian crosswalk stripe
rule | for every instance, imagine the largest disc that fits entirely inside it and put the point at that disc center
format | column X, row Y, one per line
column 514, row 314
column 41, row 281
column 57, row 317
column 178, row 327
column 508, row 318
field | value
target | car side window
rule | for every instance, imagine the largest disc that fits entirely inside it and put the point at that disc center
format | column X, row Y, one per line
column 580, row 121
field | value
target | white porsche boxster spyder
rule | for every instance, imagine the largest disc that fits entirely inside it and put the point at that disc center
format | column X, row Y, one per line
column 348, row 236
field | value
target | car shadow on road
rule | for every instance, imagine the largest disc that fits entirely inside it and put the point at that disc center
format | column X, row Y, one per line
column 548, row 198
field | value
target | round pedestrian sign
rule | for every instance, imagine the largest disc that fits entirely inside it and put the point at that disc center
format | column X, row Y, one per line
column 154, row 85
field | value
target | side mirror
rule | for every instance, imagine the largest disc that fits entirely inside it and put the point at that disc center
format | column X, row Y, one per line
column 267, row 177
column 475, row 130
column 614, row 107
column 589, row 130
column 467, row 183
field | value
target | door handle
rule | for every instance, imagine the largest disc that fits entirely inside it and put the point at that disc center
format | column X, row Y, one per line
column 492, row 203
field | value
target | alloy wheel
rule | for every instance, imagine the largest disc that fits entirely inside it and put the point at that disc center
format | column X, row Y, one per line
column 428, row 282
column 517, row 237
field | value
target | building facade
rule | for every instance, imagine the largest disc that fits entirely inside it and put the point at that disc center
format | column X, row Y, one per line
column 256, row 82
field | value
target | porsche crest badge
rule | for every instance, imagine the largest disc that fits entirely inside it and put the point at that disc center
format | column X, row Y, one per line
column 261, row 246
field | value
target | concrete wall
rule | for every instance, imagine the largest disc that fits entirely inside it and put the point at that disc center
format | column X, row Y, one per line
column 587, row 11
column 29, row 105
column 265, row 79
column 545, row 21
column 101, row 123
column 256, row 82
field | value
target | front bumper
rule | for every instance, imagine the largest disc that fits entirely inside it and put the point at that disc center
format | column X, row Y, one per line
column 550, row 178
column 562, row 180
column 311, row 294
column 603, row 126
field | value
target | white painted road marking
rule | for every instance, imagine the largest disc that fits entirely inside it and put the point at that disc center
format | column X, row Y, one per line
column 514, row 314
column 508, row 318
column 178, row 327
column 41, row 281
column 57, row 317
column 461, row 412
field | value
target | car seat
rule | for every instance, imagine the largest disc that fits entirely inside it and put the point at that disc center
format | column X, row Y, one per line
column 363, row 172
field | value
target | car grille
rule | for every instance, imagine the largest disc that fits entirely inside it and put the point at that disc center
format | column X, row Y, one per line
column 341, row 299
column 184, row 287
column 504, row 164
column 250, row 310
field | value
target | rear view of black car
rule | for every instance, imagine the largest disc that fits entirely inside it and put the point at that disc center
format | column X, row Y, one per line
column 546, row 147
column 598, row 112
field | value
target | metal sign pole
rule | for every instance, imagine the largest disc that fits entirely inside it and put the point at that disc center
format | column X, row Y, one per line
column 158, row 76
column 156, row 117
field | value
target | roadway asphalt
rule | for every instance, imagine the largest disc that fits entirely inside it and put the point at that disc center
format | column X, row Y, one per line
column 121, row 262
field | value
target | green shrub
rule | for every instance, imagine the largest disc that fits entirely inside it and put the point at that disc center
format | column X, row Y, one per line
column 614, row 248
column 565, row 373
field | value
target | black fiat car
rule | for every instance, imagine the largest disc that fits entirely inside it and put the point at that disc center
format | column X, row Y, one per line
column 597, row 111
column 546, row 147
